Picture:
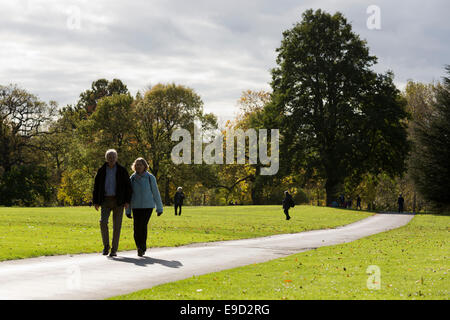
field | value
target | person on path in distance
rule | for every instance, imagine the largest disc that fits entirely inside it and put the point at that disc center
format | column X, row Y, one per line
column 358, row 202
column 401, row 203
column 342, row 201
column 288, row 202
column 112, row 191
column 178, row 200
column 144, row 198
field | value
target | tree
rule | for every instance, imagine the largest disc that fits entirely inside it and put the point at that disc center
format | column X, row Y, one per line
column 22, row 118
column 163, row 109
column 431, row 154
column 338, row 117
column 111, row 126
column 99, row 89
column 112, row 122
column 25, row 185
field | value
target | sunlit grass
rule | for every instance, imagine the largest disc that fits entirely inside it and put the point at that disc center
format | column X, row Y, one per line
column 31, row 232
column 413, row 262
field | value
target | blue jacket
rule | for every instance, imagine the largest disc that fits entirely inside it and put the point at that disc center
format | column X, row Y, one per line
column 145, row 192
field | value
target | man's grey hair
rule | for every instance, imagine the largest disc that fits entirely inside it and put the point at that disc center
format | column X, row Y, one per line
column 110, row 151
column 179, row 188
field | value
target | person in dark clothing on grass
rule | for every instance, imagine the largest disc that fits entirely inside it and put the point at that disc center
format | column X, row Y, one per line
column 288, row 203
column 112, row 192
column 178, row 200
column 401, row 203
column 342, row 201
column 358, row 202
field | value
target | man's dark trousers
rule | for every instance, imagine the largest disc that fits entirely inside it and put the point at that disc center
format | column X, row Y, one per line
column 178, row 205
column 286, row 212
column 108, row 205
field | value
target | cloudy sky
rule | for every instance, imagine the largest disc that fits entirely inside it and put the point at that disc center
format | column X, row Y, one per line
column 56, row 49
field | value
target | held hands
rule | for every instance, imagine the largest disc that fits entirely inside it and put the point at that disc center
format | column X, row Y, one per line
column 159, row 213
column 127, row 211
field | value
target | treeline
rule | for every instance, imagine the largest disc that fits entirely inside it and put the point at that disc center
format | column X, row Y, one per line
column 344, row 129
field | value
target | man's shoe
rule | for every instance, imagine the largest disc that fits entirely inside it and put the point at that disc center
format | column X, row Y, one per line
column 113, row 254
column 288, row 218
column 105, row 251
column 140, row 252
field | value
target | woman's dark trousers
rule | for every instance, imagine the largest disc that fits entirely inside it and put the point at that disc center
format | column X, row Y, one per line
column 141, row 218
column 178, row 206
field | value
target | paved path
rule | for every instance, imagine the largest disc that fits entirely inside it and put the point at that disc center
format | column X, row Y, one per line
column 93, row 276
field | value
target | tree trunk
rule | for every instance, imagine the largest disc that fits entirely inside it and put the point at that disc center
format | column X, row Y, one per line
column 167, row 195
column 256, row 187
column 333, row 189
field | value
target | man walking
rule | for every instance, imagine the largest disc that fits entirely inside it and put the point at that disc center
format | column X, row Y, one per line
column 401, row 203
column 112, row 191
column 358, row 202
column 342, row 201
column 178, row 200
column 288, row 202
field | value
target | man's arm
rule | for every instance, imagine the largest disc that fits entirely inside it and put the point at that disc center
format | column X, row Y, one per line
column 95, row 192
column 128, row 188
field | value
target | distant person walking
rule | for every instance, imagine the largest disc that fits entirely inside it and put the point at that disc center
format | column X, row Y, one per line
column 358, row 202
column 144, row 199
column 178, row 200
column 342, row 201
column 112, row 191
column 288, row 203
column 401, row 203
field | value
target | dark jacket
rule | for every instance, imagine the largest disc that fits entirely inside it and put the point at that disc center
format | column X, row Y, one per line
column 178, row 198
column 288, row 202
column 123, row 186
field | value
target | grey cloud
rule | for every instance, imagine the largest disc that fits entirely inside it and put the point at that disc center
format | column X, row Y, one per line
column 219, row 48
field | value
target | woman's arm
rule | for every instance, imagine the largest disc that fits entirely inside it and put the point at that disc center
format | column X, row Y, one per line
column 156, row 195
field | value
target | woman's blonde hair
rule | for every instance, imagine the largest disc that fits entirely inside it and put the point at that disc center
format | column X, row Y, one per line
column 141, row 160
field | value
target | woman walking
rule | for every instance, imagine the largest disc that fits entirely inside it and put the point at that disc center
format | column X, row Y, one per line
column 143, row 200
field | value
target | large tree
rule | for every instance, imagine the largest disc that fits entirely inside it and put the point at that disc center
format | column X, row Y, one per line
column 338, row 117
column 431, row 153
column 22, row 118
column 163, row 109
column 99, row 89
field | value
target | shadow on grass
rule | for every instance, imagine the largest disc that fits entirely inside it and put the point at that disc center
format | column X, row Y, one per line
column 144, row 261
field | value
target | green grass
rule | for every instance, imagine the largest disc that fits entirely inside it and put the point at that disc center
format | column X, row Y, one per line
column 413, row 262
column 31, row 232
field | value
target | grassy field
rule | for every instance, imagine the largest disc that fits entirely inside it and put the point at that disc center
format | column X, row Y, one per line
column 413, row 262
column 31, row 232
